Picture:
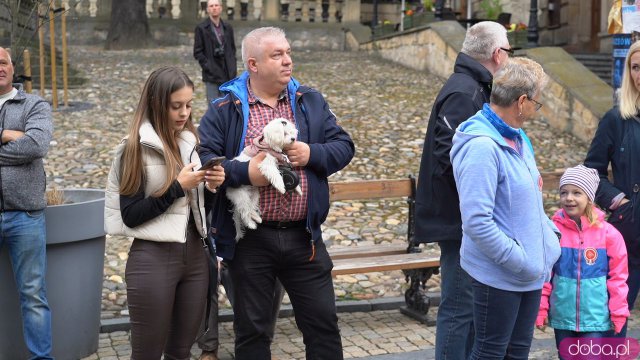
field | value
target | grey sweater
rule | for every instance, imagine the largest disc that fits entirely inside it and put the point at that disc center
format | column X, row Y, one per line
column 22, row 176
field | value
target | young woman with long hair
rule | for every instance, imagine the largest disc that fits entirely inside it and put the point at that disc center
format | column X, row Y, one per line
column 155, row 194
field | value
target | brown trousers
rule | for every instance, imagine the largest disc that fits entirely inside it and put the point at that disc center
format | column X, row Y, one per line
column 166, row 292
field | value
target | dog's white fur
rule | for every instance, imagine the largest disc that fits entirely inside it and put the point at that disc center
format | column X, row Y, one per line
column 246, row 199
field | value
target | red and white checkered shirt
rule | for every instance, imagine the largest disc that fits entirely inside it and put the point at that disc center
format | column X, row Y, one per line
column 273, row 205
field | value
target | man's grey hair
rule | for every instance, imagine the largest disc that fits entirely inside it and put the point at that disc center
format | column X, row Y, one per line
column 8, row 51
column 483, row 38
column 252, row 42
column 519, row 76
column 217, row 1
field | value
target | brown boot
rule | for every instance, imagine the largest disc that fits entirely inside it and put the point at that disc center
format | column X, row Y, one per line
column 209, row 355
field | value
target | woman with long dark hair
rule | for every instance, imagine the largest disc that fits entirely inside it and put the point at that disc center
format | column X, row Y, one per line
column 156, row 195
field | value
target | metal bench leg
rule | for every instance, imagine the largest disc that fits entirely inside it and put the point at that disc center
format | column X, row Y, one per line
column 416, row 298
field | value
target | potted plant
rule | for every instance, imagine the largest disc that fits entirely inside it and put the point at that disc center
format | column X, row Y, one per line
column 491, row 8
column 517, row 35
column 75, row 264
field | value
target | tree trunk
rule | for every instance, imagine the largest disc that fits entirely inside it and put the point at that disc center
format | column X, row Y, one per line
column 129, row 27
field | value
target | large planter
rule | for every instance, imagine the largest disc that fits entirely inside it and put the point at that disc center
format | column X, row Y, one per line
column 75, row 264
column 517, row 39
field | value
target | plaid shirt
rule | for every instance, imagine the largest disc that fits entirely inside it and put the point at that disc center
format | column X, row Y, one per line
column 273, row 205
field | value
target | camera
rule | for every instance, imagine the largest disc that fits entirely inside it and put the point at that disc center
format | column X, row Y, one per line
column 218, row 52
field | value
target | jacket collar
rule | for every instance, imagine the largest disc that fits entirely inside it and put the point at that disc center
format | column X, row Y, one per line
column 465, row 64
column 561, row 217
column 208, row 23
column 21, row 95
column 149, row 136
column 238, row 87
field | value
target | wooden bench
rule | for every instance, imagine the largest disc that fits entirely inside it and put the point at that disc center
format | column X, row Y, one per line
column 417, row 265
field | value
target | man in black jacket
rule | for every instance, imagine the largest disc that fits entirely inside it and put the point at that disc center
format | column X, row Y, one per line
column 485, row 49
column 215, row 49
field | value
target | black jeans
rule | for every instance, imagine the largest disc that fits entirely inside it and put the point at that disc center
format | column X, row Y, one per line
column 210, row 341
column 262, row 256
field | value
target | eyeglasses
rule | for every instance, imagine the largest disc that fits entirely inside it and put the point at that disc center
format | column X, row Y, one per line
column 508, row 51
column 538, row 105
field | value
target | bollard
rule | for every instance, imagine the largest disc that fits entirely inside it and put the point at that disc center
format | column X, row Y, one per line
column 26, row 55
column 52, row 36
column 41, row 48
column 65, row 79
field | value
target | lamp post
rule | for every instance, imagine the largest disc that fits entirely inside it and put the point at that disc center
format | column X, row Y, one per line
column 374, row 21
column 532, row 30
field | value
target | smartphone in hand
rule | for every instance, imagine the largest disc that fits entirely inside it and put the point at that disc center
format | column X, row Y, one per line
column 212, row 162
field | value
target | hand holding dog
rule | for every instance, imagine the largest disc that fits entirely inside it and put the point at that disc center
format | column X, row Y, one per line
column 255, row 176
column 298, row 153
column 214, row 177
column 188, row 178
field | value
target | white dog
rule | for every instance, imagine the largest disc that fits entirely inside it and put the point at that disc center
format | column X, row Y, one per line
column 246, row 199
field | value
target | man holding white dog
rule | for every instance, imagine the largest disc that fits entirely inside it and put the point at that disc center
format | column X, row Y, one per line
column 287, row 245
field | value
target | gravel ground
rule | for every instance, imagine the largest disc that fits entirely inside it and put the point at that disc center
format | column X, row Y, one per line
column 384, row 106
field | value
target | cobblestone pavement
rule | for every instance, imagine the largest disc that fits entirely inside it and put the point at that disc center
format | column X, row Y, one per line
column 383, row 105
column 372, row 335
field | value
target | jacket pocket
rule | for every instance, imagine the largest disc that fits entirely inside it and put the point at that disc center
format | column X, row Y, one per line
column 622, row 219
column 529, row 269
column 622, row 214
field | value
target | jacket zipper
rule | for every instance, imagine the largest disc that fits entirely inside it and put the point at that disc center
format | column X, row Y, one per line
column 635, row 190
column 544, row 248
column 2, row 116
column 204, row 224
column 578, row 279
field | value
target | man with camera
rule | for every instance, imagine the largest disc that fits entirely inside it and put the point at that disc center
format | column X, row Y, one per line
column 215, row 49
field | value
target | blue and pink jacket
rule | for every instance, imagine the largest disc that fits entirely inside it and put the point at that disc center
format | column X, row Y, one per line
column 588, row 288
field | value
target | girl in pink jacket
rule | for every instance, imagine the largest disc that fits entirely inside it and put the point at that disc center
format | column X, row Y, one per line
column 587, row 295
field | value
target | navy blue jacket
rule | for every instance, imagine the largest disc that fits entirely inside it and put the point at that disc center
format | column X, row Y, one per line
column 617, row 143
column 222, row 131
column 437, row 203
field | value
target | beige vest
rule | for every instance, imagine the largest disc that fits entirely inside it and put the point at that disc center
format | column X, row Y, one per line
column 171, row 226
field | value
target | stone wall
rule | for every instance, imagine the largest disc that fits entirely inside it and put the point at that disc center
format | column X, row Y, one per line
column 574, row 100
column 169, row 32
column 432, row 49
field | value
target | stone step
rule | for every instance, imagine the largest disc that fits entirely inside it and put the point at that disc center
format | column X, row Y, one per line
column 599, row 64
